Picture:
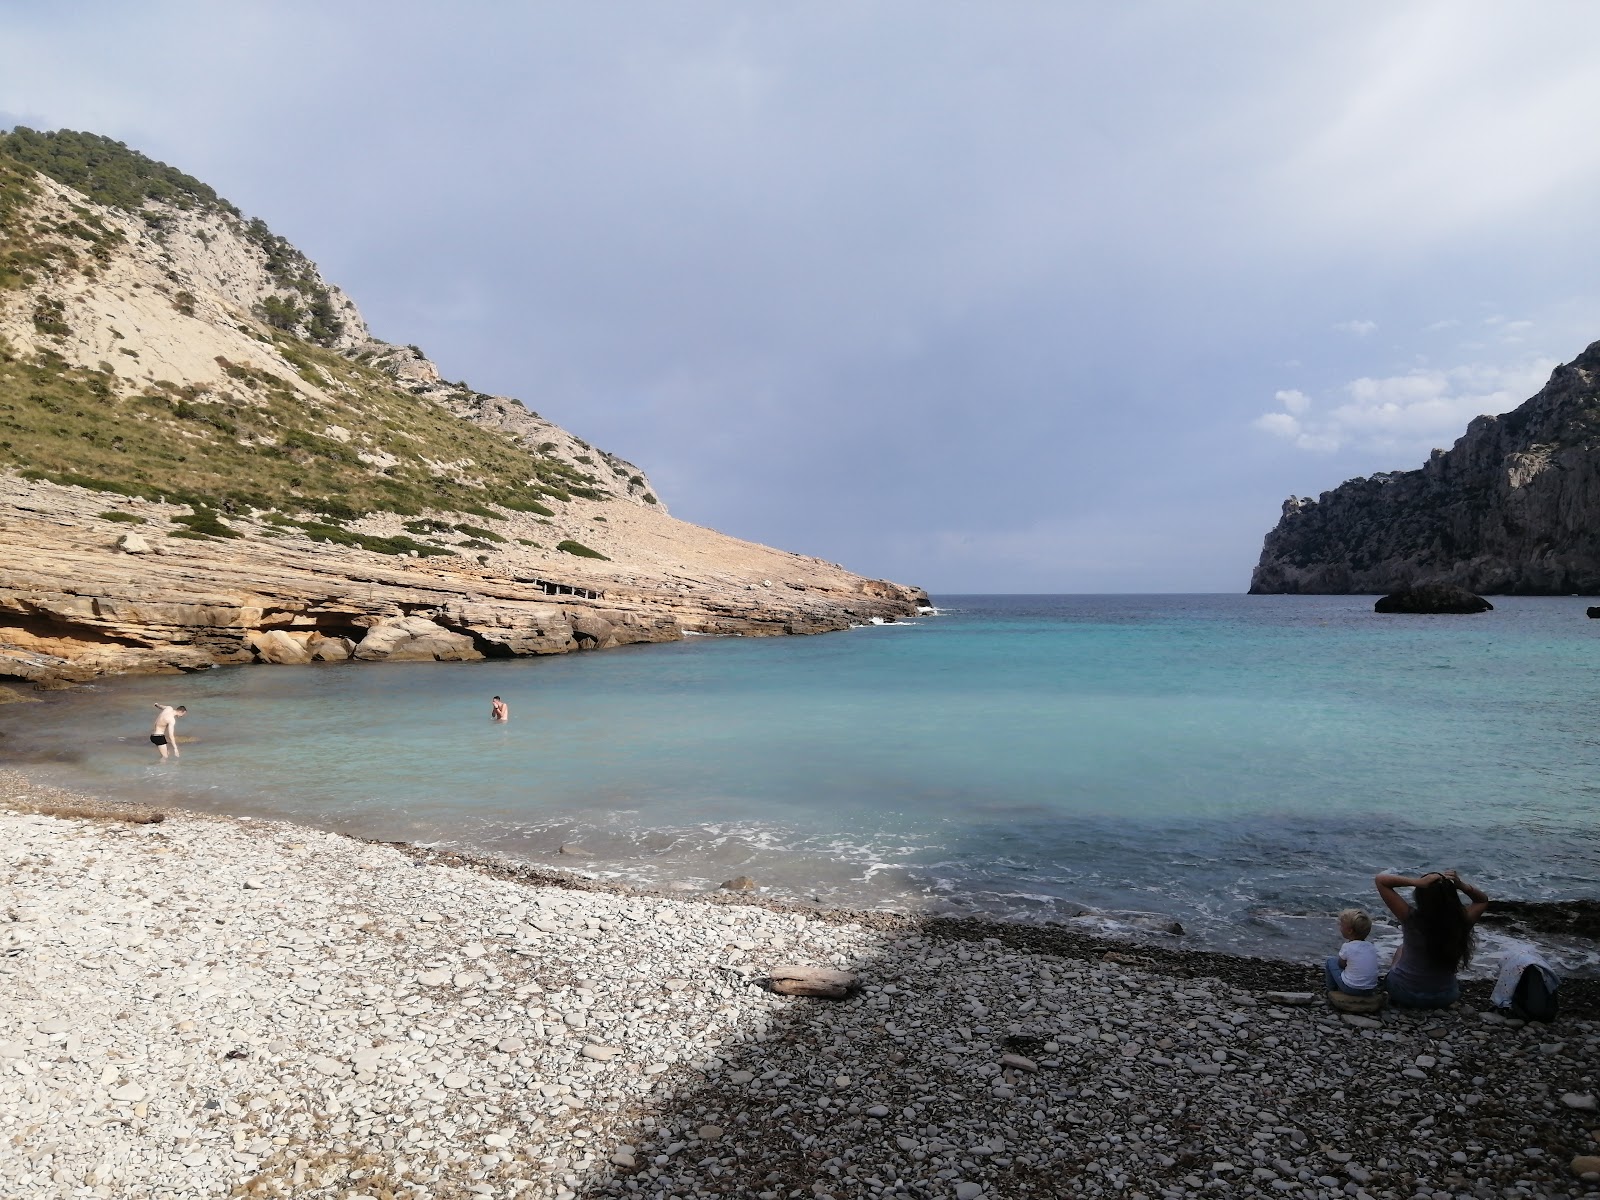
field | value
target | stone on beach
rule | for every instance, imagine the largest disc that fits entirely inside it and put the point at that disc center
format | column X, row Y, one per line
column 825, row 982
column 1347, row 1003
column 1019, row 1063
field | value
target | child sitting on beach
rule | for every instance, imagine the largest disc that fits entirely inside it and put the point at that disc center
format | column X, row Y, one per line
column 1354, row 970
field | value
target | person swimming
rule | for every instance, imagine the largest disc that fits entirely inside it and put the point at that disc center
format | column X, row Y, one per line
column 498, row 710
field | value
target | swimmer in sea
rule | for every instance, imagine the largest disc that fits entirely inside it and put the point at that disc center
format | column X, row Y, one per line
column 165, row 732
column 498, row 710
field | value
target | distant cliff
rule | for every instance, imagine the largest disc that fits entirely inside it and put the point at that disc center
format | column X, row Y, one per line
column 1512, row 508
column 206, row 457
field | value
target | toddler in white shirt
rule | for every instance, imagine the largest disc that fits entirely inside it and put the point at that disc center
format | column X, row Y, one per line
column 1354, row 970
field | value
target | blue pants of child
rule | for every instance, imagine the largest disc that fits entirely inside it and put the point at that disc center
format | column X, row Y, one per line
column 1336, row 979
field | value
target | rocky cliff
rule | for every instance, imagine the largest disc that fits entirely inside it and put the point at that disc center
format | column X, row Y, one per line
column 1512, row 508
column 206, row 457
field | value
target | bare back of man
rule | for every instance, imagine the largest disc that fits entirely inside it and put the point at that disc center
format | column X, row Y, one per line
column 164, row 733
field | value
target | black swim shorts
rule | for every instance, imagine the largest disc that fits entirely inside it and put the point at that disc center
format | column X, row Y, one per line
column 157, row 739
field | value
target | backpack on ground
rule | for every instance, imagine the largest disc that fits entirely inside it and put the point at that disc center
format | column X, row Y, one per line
column 1535, row 996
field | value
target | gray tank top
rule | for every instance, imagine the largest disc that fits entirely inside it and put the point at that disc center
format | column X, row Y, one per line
column 1414, row 970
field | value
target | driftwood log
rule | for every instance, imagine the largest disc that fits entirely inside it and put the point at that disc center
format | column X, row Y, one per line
column 826, row 982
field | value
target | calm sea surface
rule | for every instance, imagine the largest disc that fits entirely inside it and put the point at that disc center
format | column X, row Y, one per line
column 1240, row 764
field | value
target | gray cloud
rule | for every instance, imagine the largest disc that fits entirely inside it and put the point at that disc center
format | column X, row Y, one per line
column 980, row 297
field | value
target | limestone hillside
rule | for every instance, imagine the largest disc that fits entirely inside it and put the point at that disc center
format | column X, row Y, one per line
column 1512, row 508
column 206, row 457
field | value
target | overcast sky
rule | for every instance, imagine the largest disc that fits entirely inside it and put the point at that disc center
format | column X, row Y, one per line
column 985, row 297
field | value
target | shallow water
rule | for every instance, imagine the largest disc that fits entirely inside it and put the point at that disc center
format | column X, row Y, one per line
column 1240, row 764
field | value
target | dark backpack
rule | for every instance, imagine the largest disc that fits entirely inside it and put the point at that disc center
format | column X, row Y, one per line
column 1534, row 999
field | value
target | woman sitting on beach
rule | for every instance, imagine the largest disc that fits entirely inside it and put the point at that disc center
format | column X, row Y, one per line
column 1436, row 938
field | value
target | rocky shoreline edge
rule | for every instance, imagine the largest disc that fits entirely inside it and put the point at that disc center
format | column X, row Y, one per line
column 214, row 1006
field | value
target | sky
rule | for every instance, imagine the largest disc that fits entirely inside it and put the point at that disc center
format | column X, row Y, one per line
column 1010, row 297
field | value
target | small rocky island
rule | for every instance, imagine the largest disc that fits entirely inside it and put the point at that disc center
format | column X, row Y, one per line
column 1512, row 509
column 1432, row 598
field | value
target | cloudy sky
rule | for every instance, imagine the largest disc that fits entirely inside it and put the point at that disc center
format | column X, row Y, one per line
column 1014, row 296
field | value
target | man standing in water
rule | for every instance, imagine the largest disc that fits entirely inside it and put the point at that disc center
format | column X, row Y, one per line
column 165, row 732
column 498, row 710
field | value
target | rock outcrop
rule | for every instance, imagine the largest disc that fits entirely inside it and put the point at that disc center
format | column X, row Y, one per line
column 1432, row 599
column 1512, row 509
column 206, row 458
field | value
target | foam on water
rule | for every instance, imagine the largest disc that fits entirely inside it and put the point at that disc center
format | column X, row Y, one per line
column 1240, row 764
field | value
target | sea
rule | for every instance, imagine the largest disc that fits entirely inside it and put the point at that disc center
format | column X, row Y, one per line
column 1237, row 766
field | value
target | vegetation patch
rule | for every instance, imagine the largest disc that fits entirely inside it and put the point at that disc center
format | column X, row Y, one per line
column 487, row 535
column 126, row 518
column 525, row 503
column 49, row 317
column 253, row 440
column 250, row 443
column 569, row 546
column 107, row 171
column 321, row 532
column 205, row 520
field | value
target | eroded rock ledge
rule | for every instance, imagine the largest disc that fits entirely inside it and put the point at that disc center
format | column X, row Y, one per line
column 76, row 603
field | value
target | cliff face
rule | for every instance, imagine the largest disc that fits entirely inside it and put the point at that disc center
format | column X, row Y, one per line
column 206, row 457
column 1512, row 508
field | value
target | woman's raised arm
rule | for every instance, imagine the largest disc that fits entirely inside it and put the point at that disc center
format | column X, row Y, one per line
column 1396, row 903
column 1479, row 898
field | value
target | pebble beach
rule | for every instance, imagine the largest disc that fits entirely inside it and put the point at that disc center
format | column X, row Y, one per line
column 203, row 1006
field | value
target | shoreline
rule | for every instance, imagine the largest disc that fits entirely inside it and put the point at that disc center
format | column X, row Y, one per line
column 207, row 1005
column 1577, row 919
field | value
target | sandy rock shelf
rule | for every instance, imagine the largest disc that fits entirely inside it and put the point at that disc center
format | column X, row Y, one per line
column 215, row 1007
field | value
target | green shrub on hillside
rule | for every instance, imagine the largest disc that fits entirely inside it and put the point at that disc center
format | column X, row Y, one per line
column 48, row 314
column 205, row 520
column 571, row 547
column 487, row 535
column 320, row 532
column 280, row 312
column 524, row 504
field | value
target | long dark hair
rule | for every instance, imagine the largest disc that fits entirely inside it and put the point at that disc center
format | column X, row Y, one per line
column 1447, row 936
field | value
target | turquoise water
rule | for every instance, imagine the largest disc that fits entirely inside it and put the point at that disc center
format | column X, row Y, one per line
column 1240, row 764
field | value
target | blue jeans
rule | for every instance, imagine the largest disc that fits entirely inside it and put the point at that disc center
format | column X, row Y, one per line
column 1336, row 979
column 1408, row 997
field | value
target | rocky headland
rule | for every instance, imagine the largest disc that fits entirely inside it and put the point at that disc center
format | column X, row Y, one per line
column 207, row 458
column 1513, row 508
